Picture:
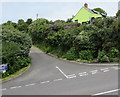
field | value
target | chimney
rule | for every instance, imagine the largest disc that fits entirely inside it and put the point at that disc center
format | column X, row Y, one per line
column 86, row 5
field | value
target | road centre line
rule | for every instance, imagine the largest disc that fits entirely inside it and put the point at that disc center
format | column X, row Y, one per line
column 15, row 87
column 57, row 79
column 30, row 84
column 19, row 86
column 67, row 76
column 101, row 93
column 61, row 71
column 4, row 89
column 44, row 82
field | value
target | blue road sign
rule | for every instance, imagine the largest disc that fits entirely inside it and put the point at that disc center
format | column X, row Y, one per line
column 2, row 67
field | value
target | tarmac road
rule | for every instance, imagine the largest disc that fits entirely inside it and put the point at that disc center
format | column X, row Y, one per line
column 52, row 76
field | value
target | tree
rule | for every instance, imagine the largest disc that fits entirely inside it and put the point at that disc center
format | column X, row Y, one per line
column 20, row 21
column 10, row 23
column 70, row 19
column 22, row 26
column 118, row 13
column 100, row 10
column 29, row 21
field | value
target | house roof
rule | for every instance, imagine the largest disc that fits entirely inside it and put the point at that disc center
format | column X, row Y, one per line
column 95, row 12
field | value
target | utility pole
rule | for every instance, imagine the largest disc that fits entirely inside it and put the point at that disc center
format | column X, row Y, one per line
column 37, row 16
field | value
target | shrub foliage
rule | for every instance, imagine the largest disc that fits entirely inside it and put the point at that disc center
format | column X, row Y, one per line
column 15, row 49
column 74, row 41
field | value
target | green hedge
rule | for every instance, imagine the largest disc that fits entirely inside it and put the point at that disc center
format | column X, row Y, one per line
column 74, row 41
column 15, row 49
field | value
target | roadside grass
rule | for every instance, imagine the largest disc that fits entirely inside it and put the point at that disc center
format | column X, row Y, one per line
column 21, row 71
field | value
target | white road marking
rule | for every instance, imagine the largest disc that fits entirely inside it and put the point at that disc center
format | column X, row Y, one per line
column 94, row 71
column 61, row 71
column 57, row 79
column 4, row 89
column 44, row 82
column 71, row 76
column 19, row 86
column 105, row 69
column 30, row 84
column 106, row 92
column 13, row 87
column 27, row 85
column 83, row 74
column 115, row 68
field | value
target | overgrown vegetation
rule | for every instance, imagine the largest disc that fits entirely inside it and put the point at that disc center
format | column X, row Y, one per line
column 15, row 49
column 98, row 41
column 94, row 42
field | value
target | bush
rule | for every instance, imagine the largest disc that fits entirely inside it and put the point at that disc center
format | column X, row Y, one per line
column 71, row 54
column 86, row 55
column 19, row 63
column 15, row 49
column 38, row 30
column 113, row 53
column 102, row 57
column 114, row 60
column 9, row 34
column 10, row 50
column 68, row 38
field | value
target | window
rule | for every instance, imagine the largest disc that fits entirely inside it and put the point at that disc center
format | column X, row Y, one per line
column 76, row 21
column 92, row 18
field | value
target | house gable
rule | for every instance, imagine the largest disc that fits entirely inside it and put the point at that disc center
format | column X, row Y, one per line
column 85, row 15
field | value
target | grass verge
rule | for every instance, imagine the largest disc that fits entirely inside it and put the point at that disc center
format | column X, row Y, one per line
column 21, row 71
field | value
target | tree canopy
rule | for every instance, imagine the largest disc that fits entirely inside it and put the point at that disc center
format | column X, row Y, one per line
column 118, row 13
column 100, row 10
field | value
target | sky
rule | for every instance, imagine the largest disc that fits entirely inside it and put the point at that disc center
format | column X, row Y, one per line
column 14, row 11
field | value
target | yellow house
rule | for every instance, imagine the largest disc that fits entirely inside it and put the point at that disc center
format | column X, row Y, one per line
column 86, row 15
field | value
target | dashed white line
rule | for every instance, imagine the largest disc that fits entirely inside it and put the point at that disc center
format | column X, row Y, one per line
column 30, row 84
column 83, row 74
column 4, row 89
column 13, row 87
column 71, row 76
column 101, row 93
column 105, row 69
column 115, row 68
column 94, row 71
column 44, row 82
column 57, row 79
column 19, row 86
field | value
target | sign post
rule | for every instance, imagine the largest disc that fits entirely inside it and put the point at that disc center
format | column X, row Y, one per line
column 3, row 68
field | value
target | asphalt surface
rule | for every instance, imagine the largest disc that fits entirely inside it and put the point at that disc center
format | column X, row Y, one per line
column 51, row 76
